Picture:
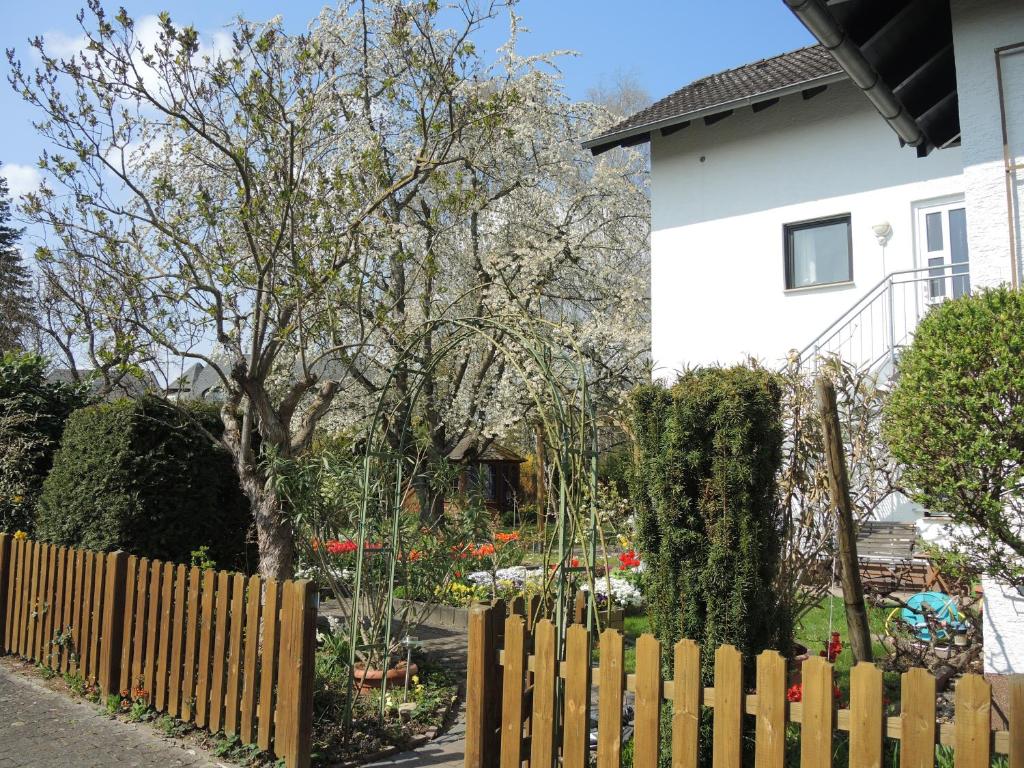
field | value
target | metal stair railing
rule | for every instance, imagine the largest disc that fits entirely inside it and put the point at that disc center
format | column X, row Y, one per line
column 871, row 332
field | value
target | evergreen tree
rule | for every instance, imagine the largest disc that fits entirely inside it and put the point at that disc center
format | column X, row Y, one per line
column 15, row 303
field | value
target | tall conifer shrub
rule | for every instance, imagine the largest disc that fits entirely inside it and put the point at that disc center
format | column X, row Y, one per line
column 708, row 519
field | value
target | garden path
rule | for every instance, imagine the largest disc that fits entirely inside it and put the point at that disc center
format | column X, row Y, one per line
column 446, row 646
column 44, row 727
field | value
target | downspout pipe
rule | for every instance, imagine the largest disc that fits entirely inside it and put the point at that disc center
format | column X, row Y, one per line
column 823, row 26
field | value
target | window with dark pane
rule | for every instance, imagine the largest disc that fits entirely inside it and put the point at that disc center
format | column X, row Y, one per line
column 818, row 252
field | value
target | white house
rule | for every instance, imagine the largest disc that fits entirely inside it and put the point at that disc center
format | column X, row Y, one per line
column 821, row 200
column 783, row 203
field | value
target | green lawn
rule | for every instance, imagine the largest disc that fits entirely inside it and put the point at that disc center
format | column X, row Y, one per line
column 812, row 631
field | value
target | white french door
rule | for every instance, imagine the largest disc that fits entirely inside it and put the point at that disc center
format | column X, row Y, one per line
column 942, row 247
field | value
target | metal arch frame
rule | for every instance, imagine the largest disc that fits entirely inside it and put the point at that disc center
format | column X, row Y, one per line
column 570, row 417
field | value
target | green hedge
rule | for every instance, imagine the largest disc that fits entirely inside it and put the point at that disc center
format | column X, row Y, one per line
column 32, row 416
column 143, row 476
column 708, row 521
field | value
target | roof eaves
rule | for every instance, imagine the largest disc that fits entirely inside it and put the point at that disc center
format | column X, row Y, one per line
column 607, row 141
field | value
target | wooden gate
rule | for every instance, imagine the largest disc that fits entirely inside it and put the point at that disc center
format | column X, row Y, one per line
column 515, row 679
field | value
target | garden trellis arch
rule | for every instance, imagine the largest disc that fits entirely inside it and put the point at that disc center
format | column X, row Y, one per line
column 568, row 416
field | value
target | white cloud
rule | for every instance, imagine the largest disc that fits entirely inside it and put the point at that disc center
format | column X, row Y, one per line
column 62, row 45
column 21, row 179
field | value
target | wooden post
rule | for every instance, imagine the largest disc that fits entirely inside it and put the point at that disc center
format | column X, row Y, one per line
column 295, row 675
column 5, row 577
column 480, row 736
column 113, row 623
column 839, row 492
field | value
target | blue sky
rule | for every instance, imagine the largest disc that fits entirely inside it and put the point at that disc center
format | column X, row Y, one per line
column 663, row 44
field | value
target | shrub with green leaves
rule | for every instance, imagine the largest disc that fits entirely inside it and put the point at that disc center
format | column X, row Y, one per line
column 32, row 416
column 708, row 518
column 145, row 476
column 956, row 421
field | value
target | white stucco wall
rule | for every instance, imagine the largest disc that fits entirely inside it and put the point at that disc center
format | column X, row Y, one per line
column 979, row 27
column 720, row 197
column 1002, row 627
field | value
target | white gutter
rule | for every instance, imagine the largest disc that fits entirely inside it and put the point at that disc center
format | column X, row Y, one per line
column 823, row 26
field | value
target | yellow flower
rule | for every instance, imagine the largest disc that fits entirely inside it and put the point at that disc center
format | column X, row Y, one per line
column 415, row 679
column 20, row 535
column 17, row 499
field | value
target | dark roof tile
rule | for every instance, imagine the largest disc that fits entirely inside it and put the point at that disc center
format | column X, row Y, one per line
column 759, row 79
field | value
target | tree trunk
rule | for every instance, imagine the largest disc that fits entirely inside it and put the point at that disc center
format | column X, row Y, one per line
column 839, row 492
column 274, row 536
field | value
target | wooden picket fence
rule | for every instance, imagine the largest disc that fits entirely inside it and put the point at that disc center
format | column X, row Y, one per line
column 218, row 649
column 514, row 676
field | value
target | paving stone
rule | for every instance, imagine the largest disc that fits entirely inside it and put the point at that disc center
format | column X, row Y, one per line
column 41, row 727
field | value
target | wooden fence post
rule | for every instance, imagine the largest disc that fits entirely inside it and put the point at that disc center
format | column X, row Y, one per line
column 480, row 727
column 839, row 491
column 112, row 627
column 5, row 578
column 294, row 738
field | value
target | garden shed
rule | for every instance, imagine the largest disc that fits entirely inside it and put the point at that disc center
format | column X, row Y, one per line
column 489, row 469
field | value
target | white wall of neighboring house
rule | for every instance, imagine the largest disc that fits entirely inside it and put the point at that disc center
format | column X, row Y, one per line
column 979, row 27
column 721, row 195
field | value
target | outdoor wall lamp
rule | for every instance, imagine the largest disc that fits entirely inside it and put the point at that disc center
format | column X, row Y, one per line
column 883, row 232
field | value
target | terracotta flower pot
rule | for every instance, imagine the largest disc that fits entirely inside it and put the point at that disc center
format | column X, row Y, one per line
column 368, row 679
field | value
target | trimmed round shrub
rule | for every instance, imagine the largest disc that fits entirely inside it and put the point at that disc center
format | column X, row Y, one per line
column 144, row 476
column 708, row 518
column 32, row 415
column 955, row 420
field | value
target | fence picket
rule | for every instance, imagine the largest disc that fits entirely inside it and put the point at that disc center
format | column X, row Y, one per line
column 221, row 628
column 576, row 719
column 232, row 692
column 816, row 721
column 686, row 691
column 479, row 655
column 59, row 601
column 246, row 730
column 67, row 612
column 52, row 603
column 866, row 724
column 512, row 691
column 271, row 610
column 152, row 630
column 111, row 622
column 177, row 642
column 81, row 590
column 726, row 734
column 99, row 562
column 12, row 595
column 611, row 685
column 164, row 643
column 972, row 722
column 1016, row 756
column 33, row 601
column 88, row 584
column 770, row 729
column 139, row 636
column 294, row 715
column 131, row 577
column 205, row 647
column 647, row 735
column 917, row 716
column 6, row 578
column 46, row 606
column 542, row 718
column 188, row 676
